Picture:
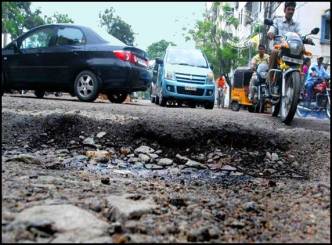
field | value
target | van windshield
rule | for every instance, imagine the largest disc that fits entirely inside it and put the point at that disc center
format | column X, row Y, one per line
column 186, row 57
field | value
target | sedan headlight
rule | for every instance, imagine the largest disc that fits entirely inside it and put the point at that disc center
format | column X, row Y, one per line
column 210, row 78
column 295, row 48
column 170, row 75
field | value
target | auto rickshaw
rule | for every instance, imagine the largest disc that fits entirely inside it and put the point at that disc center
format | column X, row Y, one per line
column 240, row 89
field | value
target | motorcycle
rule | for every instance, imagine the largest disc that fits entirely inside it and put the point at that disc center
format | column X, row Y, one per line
column 284, row 87
column 320, row 101
column 261, row 92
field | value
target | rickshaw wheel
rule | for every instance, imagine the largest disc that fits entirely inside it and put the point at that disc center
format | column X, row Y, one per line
column 251, row 108
column 235, row 106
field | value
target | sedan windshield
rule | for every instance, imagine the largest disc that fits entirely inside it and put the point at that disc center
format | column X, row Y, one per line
column 186, row 57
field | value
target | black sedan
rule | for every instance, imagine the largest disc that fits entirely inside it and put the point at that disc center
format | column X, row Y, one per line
column 74, row 59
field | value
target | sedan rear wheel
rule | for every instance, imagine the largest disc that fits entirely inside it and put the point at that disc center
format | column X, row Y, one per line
column 117, row 97
column 86, row 86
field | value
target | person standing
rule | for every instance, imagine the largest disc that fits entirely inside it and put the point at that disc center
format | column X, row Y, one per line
column 221, row 90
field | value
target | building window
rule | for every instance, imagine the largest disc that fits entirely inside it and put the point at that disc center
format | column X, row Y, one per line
column 325, row 30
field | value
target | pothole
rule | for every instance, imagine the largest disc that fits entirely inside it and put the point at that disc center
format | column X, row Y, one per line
column 226, row 152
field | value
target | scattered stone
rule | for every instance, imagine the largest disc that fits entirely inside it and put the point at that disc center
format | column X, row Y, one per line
column 274, row 157
column 297, row 176
column 125, row 151
column 181, row 159
column 159, row 152
column 228, row 168
column 98, row 154
column 68, row 222
column 89, row 141
column 127, row 206
column 153, row 166
column 194, row 164
column 165, row 162
column 268, row 156
column 26, row 158
column 295, row 164
column 144, row 157
column 237, row 224
column 101, row 135
column 154, row 156
column 236, row 173
column 250, row 206
column 144, row 149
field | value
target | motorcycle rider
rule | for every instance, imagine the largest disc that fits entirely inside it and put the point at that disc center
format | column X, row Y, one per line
column 260, row 58
column 284, row 25
column 315, row 74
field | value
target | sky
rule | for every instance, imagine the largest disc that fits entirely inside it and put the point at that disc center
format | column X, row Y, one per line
column 151, row 21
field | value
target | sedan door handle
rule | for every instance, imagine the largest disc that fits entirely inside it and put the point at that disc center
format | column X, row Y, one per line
column 5, row 58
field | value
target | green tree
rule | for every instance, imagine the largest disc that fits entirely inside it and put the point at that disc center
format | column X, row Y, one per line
column 157, row 49
column 214, row 42
column 57, row 18
column 17, row 17
column 116, row 26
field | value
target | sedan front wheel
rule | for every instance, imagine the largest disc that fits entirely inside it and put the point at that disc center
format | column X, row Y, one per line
column 86, row 86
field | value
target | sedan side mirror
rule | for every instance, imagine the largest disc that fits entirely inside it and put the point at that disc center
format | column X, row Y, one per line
column 159, row 61
column 211, row 66
column 314, row 31
column 268, row 22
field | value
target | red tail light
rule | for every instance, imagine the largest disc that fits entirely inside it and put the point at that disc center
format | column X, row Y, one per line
column 125, row 56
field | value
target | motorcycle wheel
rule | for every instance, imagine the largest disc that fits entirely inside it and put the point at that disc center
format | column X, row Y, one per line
column 290, row 99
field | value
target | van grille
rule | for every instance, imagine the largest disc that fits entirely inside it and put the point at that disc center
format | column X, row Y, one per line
column 188, row 78
column 198, row 92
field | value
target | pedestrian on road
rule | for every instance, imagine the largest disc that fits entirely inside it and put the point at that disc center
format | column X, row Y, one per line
column 221, row 83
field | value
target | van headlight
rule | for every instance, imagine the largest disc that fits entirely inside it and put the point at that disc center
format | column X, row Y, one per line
column 170, row 75
column 210, row 78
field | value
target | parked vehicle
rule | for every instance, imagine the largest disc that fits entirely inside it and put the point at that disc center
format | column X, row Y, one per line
column 74, row 59
column 240, row 89
column 184, row 76
column 285, row 86
column 320, row 102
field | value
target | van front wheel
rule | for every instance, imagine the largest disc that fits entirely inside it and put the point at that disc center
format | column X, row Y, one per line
column 209, row 105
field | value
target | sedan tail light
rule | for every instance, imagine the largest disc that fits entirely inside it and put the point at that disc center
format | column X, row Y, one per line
column 129, row 56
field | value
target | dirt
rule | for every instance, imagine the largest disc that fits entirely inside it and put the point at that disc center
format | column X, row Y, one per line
column 262, row 181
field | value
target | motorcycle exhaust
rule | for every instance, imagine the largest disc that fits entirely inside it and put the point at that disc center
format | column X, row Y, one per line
column 303, row 108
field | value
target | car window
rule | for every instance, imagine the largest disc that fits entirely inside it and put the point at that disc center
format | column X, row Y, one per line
column 70, row 36
column 38, row 39
column 186, row 57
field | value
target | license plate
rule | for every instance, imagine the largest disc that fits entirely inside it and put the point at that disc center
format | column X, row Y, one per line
column 190, row 88
column 293, row 60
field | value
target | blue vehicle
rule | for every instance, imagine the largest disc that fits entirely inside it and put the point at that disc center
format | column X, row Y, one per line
column 183, row 76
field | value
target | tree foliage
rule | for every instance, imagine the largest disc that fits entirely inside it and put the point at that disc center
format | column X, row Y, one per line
column 17, row 17
column 116, row 26
column 58, row 18
column 213, row 41
column 157, row 49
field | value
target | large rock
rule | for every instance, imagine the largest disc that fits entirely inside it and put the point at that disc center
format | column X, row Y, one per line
column 26, row 158
column 144, row 149
column 129, row 206
column 165, row 162
column 67, row 223
column 194, row 164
